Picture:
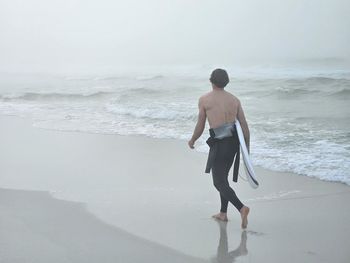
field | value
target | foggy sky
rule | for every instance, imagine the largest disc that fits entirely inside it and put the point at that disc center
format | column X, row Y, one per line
column 54, row 35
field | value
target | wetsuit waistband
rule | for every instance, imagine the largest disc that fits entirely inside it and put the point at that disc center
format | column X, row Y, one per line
column 223, row 131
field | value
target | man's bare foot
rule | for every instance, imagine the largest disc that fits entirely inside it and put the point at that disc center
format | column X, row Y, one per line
column 244, row 215
column 221, row 217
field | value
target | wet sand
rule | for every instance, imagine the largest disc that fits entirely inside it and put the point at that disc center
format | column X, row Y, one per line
column 75, row 197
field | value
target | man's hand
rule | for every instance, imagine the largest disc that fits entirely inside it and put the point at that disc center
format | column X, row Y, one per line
column 191, row 144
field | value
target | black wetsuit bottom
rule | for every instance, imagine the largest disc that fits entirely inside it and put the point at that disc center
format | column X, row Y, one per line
column 227, row 149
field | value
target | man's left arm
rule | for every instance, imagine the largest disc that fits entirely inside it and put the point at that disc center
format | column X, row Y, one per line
column 202, row 116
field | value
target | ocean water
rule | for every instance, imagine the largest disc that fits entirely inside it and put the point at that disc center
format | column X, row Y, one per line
column 299, row 117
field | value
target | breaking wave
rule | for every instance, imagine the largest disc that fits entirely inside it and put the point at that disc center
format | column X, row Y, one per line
column 31, row 96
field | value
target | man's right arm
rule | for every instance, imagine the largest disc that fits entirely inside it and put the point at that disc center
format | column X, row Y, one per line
column 244, row 125
column 202, row 116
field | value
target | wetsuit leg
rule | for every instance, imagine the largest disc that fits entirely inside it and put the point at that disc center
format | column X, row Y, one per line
column 224, row 204
column 227, row 149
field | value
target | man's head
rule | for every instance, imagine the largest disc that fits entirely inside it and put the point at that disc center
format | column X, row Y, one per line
column 219, row 78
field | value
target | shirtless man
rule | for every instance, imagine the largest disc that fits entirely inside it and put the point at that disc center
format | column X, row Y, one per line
column 222, row 108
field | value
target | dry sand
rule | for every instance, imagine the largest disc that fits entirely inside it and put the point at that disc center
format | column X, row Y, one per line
column 75, row 197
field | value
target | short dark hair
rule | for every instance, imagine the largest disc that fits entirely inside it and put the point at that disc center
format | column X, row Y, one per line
column 219, row 78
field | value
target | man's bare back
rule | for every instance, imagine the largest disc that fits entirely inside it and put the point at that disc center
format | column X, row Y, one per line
column 220, row 107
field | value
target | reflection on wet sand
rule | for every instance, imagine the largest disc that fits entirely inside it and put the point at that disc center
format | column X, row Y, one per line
column 34, row 227
column 223, row 255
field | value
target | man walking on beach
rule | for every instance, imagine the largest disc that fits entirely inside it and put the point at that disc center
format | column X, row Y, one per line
column 222, row 109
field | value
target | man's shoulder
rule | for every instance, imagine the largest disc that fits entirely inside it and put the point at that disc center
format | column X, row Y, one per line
column 205, row 96
column 232, row 96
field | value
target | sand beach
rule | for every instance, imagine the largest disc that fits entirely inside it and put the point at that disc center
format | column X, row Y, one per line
column 79, row 197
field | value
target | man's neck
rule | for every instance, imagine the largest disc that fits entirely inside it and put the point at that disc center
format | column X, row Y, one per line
column 217, row 89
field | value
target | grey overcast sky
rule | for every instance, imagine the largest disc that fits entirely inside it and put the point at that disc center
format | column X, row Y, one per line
column 58, row 34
